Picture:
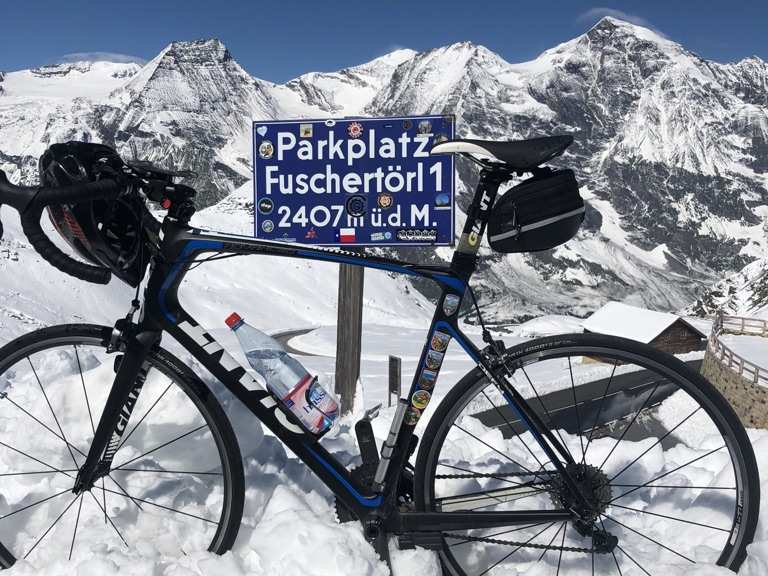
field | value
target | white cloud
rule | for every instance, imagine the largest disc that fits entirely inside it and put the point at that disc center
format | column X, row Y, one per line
column 594, row 14
column 101, row 57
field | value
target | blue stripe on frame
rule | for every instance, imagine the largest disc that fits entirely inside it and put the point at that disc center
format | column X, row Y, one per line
column 192, row 246
column 368, row 501
column 442, row 325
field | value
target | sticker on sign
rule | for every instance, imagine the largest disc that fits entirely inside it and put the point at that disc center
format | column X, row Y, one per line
column 360, row 181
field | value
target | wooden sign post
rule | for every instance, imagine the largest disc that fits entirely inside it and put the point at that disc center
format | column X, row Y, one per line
column 349, row 333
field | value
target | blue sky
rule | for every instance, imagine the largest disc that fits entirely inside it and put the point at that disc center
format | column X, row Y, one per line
column 281, row 39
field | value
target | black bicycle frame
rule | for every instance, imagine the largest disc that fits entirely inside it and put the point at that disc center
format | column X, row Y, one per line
column 162, row 312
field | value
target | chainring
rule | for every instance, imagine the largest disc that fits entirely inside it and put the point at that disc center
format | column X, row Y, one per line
column 363, row 475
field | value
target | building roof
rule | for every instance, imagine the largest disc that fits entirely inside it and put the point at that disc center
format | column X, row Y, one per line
column 617, row 319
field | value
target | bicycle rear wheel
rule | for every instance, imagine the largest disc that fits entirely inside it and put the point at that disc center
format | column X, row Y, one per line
column 176, row 482
column 665, row 464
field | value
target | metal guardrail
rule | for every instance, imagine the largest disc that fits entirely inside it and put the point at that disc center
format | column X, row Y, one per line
column 740, row 326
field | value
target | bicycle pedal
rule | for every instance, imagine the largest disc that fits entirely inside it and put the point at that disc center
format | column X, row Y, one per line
column 367, row 442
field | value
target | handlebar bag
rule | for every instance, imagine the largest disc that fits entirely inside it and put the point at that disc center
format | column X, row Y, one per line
column 537, row 214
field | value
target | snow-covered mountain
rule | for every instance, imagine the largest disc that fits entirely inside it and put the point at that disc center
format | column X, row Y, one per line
column 671, row 149
column 742, row 294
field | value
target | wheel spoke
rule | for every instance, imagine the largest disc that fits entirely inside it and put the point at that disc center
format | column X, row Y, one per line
column 599, row 411
column 492, row 566
column 497, row 533
column 4, row 516
column 549, row 416
column 633, row 560
column 576, row 407
column 120, row 486
column 142, row 500
column 147, row 453
column 494, row 449
column 674, row 487
column 523, row 497
column 74, row 532
column 659, row 441
column 45, row 395
column 509, row 425
column 191, row 473
column 634, row 418
column 671, row 518
column 106, row 516
column 35, row 459
column 85, row 392
column 667, row 473
column 562, row 545
column 144, row 417
column 612, row 519
column 35, row 472
column 51, row 430
column 51, row 526
column 616, row 560
column 549, row 544
column 485, row 476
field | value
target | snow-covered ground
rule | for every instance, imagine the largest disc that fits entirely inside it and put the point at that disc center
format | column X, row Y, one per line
column 752, row 348
column 289, row 524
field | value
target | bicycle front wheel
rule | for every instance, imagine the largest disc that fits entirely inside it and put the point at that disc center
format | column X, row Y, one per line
column 176, row 480
column 666, row 468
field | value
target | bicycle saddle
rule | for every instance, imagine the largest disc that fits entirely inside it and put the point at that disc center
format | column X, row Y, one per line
column 517, row 154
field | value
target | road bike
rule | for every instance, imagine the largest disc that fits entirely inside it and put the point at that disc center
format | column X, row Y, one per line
column 576, row 453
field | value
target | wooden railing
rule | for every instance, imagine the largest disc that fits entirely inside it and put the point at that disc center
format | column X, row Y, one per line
column 741, row 326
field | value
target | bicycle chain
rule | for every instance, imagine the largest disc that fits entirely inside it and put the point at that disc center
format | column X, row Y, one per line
column 491, row 475
column 518, row 544
column 507, row 542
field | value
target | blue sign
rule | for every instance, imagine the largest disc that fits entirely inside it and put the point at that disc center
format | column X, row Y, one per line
column 354, row 181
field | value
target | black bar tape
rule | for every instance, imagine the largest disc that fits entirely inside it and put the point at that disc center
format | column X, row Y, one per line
column 77, row 193
column 30, row 224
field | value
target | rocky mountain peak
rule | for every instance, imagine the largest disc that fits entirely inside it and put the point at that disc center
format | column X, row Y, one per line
column 208, row 51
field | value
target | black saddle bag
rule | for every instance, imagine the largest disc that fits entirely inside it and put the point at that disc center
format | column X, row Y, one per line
column 537, row 214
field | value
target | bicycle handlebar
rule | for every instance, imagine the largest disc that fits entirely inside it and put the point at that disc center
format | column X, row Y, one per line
column 30, row 202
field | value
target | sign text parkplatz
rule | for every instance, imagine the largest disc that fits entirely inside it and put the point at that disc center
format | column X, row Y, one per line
column 354, row 181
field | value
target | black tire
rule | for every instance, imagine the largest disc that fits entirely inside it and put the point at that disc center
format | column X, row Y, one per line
column 189, row 393
column 745, row 473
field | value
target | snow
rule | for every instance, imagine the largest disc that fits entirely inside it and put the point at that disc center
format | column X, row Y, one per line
column 618, row 319
column 752, row 348
column 289, row 525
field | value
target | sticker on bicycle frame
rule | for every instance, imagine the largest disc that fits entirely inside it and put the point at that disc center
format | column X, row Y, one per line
column 451, row 304
column 440, row 341
column 412, row 416
column 420, row 399
column 434, row 360
column 427, row 379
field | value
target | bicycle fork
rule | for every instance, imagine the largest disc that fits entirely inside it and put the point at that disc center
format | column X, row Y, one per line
column 122, row 398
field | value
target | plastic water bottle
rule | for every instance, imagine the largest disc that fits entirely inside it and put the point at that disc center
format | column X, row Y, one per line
column 286, row 378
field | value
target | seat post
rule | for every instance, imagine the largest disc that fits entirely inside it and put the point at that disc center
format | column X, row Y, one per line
column 465, row 256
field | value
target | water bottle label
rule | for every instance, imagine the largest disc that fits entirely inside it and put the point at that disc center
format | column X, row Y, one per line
column 312, row 405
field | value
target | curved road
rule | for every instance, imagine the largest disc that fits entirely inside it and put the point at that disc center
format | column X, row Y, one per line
column 285, row 337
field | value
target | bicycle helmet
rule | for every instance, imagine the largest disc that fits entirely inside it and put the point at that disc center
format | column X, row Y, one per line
column 116, row 233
